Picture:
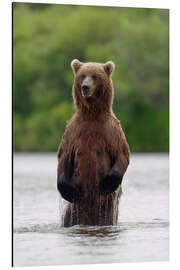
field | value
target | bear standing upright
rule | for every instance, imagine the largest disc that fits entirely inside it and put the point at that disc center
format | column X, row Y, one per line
column 94, row 154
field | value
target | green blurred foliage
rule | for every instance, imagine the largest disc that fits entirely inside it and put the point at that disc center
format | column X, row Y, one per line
column 45, row 40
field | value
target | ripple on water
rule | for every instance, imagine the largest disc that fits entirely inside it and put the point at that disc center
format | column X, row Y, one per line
column 99, row 231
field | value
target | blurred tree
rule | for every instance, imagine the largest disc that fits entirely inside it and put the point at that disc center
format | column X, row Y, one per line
column 47, row 37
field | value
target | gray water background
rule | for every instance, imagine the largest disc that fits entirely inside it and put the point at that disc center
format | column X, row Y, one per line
column 142, row 233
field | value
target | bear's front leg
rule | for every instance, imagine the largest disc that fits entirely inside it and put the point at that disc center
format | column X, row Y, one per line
column 110, row 182
column 68, row 190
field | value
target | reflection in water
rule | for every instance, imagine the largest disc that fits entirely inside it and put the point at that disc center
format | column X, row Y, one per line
column 141, row 234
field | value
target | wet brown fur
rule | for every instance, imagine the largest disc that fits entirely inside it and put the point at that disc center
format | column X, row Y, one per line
column 95, row 139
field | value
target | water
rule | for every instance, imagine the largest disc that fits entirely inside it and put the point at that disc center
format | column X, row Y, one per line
column 142, row 233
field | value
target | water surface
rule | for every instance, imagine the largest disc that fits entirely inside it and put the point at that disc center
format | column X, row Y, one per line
column 142, row 233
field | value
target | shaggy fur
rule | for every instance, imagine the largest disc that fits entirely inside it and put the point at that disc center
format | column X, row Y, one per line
column 93, row 155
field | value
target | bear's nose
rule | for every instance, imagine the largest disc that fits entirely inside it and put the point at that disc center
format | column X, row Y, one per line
column 85, row 90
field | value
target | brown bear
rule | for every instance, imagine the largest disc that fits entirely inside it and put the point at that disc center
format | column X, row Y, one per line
column 94, row 154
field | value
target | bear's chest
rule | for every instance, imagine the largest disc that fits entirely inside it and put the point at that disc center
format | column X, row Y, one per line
column 93, row 137
column 91, row 148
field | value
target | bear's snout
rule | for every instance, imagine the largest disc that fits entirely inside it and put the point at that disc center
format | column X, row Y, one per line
column 85, row 90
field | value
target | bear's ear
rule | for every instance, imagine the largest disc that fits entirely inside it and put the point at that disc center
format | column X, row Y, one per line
column 75, row 64
column 109, row 67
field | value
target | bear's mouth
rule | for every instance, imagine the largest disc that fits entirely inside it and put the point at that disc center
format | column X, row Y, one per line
column 86, row 95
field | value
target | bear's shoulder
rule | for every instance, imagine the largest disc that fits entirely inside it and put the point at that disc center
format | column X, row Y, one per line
column 105, row 124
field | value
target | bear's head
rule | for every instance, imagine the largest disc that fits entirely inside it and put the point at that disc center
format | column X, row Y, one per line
column 93, row 87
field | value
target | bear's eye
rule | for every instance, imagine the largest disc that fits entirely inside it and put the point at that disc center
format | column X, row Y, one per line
column 83, row 76
column 94, row 77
